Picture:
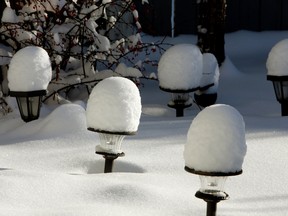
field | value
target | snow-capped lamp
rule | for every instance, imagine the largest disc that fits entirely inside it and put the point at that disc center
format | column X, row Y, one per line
column 113, row 111
column 180, row 72
column 214, row 150
column 28, row 77
column 206, row 95
column 277, row 67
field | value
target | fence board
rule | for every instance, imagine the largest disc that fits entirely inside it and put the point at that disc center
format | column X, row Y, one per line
column 253, row 15
column 284, row 22
column 271, row 15
column 185, row 16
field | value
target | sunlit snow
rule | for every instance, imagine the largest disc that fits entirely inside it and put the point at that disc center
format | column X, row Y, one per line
column 114, row 105
column 49, row 166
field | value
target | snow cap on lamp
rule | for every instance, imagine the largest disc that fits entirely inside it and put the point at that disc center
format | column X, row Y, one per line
column 216, row 141
column 180, row 68
column 210, row 74
column 29, row 70
column 114, row 106
column 277, row 62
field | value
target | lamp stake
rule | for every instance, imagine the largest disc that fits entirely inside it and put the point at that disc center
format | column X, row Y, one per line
column 109, row 159
column 211, row 208
column 284, row 109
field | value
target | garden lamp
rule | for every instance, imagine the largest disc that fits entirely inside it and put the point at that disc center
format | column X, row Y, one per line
column 215, row 149
column 179, row 73
column 28, row 77
column 29, row 103
column 277, row 72
column 113, row 111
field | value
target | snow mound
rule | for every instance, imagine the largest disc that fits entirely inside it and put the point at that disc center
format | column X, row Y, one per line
column 277, row 62
column 75, row 120
column 114, row 105
column 216, row 140
column 210, row 75
column 125, row 71
column 30, row 70
column 50, row 126
column 180, row 68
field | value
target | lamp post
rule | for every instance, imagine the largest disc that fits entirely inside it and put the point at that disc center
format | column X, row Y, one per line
column 113, row 111
column 28, row 77
column 179, row 73
column 215, row 149
column 180, row 101
column 277, row 72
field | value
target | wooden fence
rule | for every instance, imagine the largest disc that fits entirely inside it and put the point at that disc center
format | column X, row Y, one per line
column 254, row 15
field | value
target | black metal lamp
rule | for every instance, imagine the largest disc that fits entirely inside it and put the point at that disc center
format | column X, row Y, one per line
column 212, row 188
column 214, row 159
column 29, row 103
column 28, row 77
column 180, row 100
column 280, row 84
column 110, row 146
column 179, row 72
column 204, row 99
column 113, row 113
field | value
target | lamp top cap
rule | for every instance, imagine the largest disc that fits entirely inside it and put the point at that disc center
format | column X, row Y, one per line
column 205, row 173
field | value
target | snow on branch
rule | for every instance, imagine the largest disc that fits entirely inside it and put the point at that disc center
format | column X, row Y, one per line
column 86, row 40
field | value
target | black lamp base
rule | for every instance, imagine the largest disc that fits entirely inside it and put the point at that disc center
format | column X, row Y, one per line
column 109, row 160
column 211, row 201
column 179, row 107
column 284, row 108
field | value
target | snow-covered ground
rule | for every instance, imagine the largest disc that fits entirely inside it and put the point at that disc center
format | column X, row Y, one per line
column 48, row 166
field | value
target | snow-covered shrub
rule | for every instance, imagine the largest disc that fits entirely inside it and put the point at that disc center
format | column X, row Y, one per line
column 86, row 40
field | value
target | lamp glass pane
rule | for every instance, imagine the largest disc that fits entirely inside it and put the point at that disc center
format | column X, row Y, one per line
column 213, row 185
column 34, row 105
column 23, row 105
column 281, row 90
column 111, row 142
column 285, row 90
